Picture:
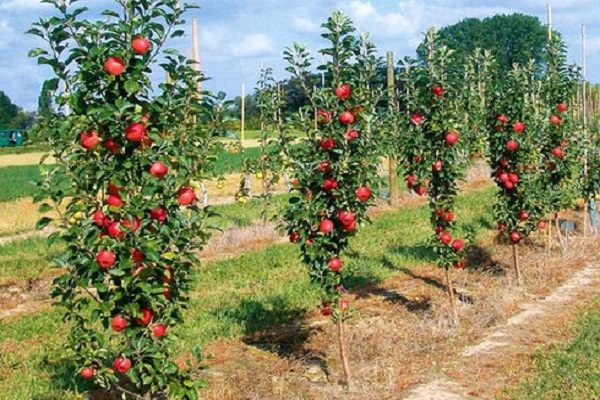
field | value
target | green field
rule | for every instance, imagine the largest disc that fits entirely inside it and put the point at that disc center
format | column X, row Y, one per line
column 231, row 297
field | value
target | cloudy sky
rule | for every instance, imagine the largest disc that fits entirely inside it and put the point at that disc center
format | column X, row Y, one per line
column 237, row 35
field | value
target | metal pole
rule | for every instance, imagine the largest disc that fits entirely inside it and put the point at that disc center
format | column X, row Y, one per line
column 549, row 21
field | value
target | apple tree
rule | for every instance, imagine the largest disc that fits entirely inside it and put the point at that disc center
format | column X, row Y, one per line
column 127, row 152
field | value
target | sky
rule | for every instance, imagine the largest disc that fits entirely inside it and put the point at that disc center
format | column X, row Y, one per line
column 237, row 36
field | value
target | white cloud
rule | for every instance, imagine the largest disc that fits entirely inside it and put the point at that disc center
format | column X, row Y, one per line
column 254, row 45
column 305, row 25
column 13, row 5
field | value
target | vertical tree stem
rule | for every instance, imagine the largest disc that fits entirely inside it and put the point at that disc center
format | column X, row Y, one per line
column 515, row 253
column 342, row 345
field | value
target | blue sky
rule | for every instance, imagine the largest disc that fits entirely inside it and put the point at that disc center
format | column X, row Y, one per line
column 236, row 36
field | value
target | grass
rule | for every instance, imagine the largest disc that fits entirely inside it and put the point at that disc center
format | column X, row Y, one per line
column 27, row 148
column 236, row 296
column 569, row 371
column 16, row 182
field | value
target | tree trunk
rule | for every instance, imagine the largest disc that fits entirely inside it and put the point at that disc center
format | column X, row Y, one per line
column 515, row 253
column 451, row 296
column 342, row 346
column 393, row 180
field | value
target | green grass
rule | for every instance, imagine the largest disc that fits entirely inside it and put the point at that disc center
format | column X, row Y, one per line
column 569, row 371
column 27, row 148
column 255, row 133
column 238, row 296
column 16, row 182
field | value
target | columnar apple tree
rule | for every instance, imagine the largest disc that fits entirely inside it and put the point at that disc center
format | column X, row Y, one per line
column 432, row 149
column 335, row 166
column 126, row 154
column 516, row 123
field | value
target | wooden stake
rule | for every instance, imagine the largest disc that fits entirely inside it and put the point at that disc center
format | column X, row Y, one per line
column 549, row 21
column 515, row 253
column 243, row 111
column 393, row 162
column 196, row 49
column 342, row 345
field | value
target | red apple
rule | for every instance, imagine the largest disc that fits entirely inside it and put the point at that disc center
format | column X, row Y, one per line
column 344, row 304
column 503, row 177
column 410, row 180
column 330, row 184
column 501, row 226
column 420, row 190
column 112, row 146
column 118, row 323
column 159, row 214
column 114, row 66
column 326, row 226
column 159, row 330
column 89, row 140
column 346, row 118
column 416, row 118
column 122, row 364
column 519, row 127
column 555, row 120
column 512, row 145
column 514, row 178
column 509, row 185
column 323, row 117
column 449, row 216
column 136, row 256
column 335, row 264
column 523, row 215
column 114, row 230
column 363, row 193
column 542, row 224
column 87, row 373
column 460, row 264
column 347, row 217
column 504, row 163
column 145, row 318
column 351, row 134
column 561, row 107
column 295, row 237
column 324, row 167
column 438, row 90
column 457, row 245
column 343, row 91
column 515, row 237
column 437, row 166
column 167, row 291
column 557, row 152
column 327, row 144
column 140, row 45
column 445, row 238
column 186, row 196
column 502, row 119
column 158, row 170
column 134, row 225
column 114, row 200
column 451, row 138
column 105, row 259
column 99, row 218
column 136, row 132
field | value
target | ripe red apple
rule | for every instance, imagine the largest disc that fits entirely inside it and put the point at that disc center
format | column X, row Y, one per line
column 167, row 291
column 346, row 118
column 509, row 185
column 145, row 143
column 501, row 226
column 449, row 216
column 323, row 117
column 112, row 146
column 351, row 134
column 118, row 323
column 159, row 214
column 136, row 256
column 326, row 226
column 557, row 152
column 347, row 218
column 324, row 167
column 114, row 230
column 122, row 364
column 451, row 138
column 87, row 373
column 420, row 190
column 503, row 177
column 132, row 225
column 295, row 237
column 457, row 245
column 519, row 127
column 512, row 145
column 523, row 215
column 514, row 178
column 136, row 132
column 445, row 238
column 335, row 264
column 555, row 120
column 363, row 193
column 438, row 90
column 186, row 196
column 504, row 163
column 113, row 189
column 145, row 318
column 502, row 119
column 327, row 144
column 114, row 66
column 159, row 330
column 515, row 237
column 326, row 311
column 343, row 91
column 99, row 218
column 330, row 184
column 114, row 200
column 105, row 259
column 410, row 180
column 89, row 140
column 344, row 304
column 563, row 144
column 561, row 107
column 542, row 224
column 158, row 170
column 460, row 264
column 437, row 166
column 416, row 118
column 140, row 45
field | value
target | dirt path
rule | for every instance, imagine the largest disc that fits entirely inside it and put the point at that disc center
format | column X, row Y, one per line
column 484, row 369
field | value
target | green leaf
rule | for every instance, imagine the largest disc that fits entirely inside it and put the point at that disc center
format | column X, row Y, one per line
column 132, row 87
column 43, row 222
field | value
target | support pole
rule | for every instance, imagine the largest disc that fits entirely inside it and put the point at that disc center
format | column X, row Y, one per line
column 549, row 21
column 196, row 49
column 393, row 161
column 515, row 253
column 243, row 113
